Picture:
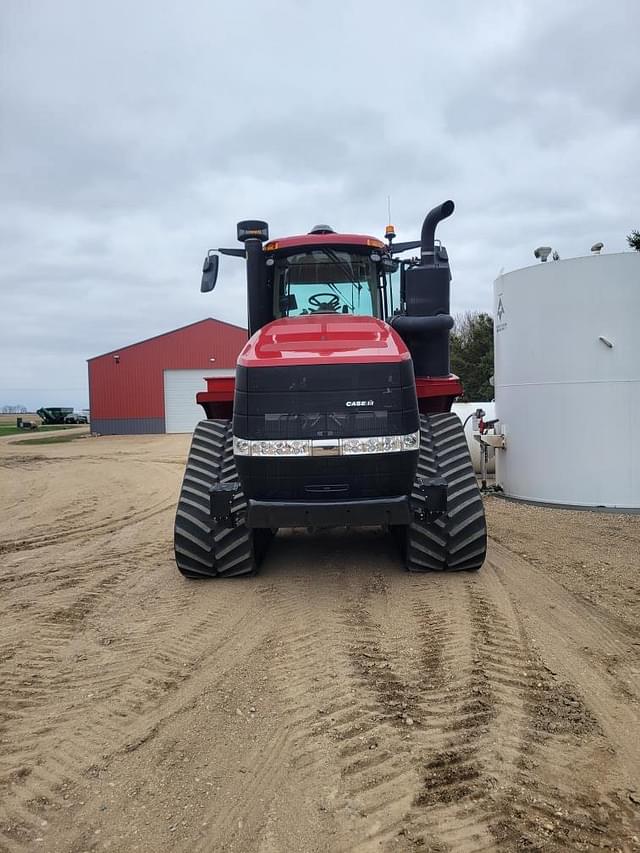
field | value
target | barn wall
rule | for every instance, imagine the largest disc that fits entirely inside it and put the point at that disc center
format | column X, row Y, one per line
column 127, row 426
column 126, row 386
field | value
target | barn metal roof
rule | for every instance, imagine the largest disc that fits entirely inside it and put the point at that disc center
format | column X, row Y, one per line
column 164, row 334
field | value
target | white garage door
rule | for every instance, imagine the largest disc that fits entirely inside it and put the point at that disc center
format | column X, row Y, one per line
column 181, row 412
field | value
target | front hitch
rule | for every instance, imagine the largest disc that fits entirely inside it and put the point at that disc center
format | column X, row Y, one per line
column 220, row 499
column 429, row 498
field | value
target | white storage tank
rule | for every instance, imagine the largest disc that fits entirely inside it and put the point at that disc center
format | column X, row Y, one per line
column 465, row 412
column 567, row 381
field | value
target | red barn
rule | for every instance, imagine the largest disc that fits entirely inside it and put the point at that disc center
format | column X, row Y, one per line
column 151, row 386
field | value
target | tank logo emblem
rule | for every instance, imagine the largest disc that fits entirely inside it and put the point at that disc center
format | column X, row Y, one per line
column 500, row 312
column 359, row 403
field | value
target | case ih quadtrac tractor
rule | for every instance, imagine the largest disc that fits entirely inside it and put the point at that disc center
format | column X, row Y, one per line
column 339, row 413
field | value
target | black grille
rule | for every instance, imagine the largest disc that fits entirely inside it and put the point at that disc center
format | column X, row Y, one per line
column 314, row 478
column 325, row 424
column 325, row 401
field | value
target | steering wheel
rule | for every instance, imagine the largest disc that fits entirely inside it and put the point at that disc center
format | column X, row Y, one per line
column 331, row 305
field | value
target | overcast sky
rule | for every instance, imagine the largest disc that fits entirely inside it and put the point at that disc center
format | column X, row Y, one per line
column 135, row 134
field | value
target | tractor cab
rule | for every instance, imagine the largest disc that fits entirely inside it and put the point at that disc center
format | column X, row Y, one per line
column 322, row 272
column 326, row 280
column 327, row 273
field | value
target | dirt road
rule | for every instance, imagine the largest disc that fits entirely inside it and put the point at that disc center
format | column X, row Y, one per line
column 333, row 703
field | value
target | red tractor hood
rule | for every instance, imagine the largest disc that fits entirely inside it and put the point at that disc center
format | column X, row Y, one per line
column 322, row 338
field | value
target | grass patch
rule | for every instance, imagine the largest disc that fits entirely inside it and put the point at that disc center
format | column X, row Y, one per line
column 53, row 439
column 7, row 429
column 13, row 430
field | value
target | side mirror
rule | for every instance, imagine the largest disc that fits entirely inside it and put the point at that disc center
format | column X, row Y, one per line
column 209, row 273
column 389, row 264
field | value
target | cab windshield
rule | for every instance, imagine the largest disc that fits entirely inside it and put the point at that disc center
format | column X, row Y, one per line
column 325, row 281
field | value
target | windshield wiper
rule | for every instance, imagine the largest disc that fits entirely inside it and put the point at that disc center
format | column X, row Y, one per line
column 333, row 257
column 341, row 266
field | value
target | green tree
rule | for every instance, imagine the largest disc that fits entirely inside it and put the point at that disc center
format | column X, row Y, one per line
column 472, row 354
column 633, row 240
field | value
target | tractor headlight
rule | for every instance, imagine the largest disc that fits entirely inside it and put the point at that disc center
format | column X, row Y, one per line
column 377, row 444
column 411, row 441
column 318, row 447
column 291, row 447
column 241, row 446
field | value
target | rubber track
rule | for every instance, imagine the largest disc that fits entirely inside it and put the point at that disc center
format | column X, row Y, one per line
column 203, row 548
column 456, row 541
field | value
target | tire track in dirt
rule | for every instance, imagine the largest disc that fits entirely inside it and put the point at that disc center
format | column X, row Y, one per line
column 99, row 706
column 579, row 639
column 62, row 753
column 346, row 701
column 40, row 667
column 287, row 761
column 182, row 739
column 431, row 734
column 80, row 532
column 451, row 706
column 41, row 663
column 245, row 817
column 510, row 739
column 479, row 702
column 558, row 801
column 207, row 764
column 36, row 674
column 24, row 462
column 394, row 693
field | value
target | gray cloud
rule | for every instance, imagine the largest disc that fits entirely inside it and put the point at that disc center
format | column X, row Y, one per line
column 134, row 136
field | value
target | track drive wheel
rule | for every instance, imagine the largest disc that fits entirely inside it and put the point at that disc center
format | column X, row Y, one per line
column 457, row 540
column 204, row 548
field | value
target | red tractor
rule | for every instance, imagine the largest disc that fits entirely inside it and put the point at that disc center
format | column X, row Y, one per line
column 339, row 413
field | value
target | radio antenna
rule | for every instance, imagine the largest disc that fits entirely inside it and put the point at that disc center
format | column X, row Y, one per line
column 389, row 231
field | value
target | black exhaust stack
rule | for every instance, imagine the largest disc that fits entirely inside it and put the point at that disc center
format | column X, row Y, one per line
column 426, row 323
column 253, row 232
column 431, row 220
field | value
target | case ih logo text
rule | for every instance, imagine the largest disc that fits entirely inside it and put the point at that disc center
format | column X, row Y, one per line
column 359, row 403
